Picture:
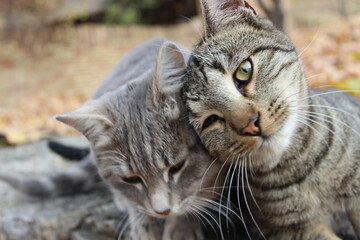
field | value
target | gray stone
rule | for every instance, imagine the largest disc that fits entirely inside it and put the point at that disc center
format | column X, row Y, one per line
column 84, row 216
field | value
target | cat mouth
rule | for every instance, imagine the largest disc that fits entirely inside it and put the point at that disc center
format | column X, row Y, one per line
column 266, row 138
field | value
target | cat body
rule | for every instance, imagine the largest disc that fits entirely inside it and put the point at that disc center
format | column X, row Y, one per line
column 143, row 147
column 297, row 149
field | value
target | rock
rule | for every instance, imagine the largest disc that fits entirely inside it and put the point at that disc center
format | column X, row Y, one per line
column 15, row 16
column 84, row 216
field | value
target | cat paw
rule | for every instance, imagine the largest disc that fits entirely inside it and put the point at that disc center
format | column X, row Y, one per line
column 181, row 229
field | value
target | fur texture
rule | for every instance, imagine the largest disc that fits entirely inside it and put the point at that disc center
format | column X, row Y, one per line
column 297, row 150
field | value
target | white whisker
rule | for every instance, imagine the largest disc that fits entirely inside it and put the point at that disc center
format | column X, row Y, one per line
column 249, row 188
column 245, row 199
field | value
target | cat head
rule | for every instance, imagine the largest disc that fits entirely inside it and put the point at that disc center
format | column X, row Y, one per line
column 243, row 85
column 144, row 147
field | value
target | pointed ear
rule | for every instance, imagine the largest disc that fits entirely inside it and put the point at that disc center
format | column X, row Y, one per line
column 220, row 13
column 167, row 82
column 90, row 121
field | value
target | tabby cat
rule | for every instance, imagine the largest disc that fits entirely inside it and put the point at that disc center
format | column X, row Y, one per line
column 297, row 149
column 144, row 148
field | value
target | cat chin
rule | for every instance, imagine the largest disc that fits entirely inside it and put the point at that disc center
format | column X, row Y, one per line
column 269, row 153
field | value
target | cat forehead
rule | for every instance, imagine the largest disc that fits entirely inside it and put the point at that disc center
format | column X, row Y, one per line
column 145, row 135
column 147, row 159
column 241, row 42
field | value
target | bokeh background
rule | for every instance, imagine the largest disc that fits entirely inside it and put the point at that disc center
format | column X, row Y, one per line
column 53, row 53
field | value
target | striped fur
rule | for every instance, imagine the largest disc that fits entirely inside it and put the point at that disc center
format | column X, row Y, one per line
column 305, row 165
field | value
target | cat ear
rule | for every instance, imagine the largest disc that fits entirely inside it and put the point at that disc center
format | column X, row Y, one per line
column 90, row 121
column 219, row 13
column 167, row 82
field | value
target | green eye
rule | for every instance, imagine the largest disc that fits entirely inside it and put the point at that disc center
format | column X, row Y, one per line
column 244, row 72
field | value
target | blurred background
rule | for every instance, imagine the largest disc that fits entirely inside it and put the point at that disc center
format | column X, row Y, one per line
column 53, row 53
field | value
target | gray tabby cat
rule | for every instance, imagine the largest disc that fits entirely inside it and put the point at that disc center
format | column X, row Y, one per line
column 143, row 147
column 251, row 106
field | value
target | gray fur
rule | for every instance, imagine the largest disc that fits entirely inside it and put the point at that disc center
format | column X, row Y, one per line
column 137, row 126
column 306, row 164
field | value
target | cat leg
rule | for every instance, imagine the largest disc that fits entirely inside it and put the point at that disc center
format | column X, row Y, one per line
column 182, row 228
column 354, row 216
column 315, row 232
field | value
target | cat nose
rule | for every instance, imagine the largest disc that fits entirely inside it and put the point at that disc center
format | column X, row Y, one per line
column 253, row 126
column 164, row 213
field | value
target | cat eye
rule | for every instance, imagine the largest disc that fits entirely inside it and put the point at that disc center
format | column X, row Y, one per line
column 176, row 168
column 243, row 74
column 211, row 120
column 132, row 180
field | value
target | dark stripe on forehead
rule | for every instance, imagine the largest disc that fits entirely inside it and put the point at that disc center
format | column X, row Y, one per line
column 152, row 142
column 216, row 65
column 284, row 66
column 126, row 141
column 165, row 158
column 134, row 144
column 201, row 68
column 266, row 48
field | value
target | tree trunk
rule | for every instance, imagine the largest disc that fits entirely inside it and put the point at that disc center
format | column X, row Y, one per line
column 274, row 13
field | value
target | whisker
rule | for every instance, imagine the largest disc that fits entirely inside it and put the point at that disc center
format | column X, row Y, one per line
column 229, row 192
column 319, row 115
column 222, row 167
column 243, row 165
column 316, row 75
column 238, row 200
column 251, row 167
column 222, row 193
column 331, row 92
column 312, row 128
column 333, row 108
column 120, row 227
column 206, row 171
column 201, row 35
column 197, row 213
column 311, row 42
column 213, row 218
column 217, row 204
column 331, row 131
column 251, row 193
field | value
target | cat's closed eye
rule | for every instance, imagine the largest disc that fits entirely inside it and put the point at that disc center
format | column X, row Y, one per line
column 176, row 168
column 211, row 120
column 132, row 180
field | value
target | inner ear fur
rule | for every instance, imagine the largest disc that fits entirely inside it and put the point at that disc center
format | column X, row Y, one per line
column 90, row 120
column 220, row 13
column 167, row 82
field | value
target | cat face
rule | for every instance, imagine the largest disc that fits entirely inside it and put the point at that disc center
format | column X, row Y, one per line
column 144, row 147
column 244, row 85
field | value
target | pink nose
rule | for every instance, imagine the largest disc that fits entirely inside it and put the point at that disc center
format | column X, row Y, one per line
column 252, row 127
column 164, row 213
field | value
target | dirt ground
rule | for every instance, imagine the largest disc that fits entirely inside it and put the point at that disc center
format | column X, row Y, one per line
column 58, row 75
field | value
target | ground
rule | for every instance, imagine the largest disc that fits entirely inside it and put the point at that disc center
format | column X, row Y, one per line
column 59, row 69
